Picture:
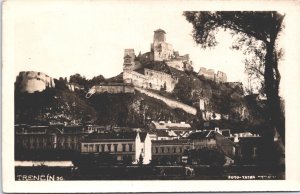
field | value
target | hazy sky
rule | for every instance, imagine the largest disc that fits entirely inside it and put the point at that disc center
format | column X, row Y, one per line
column 89, row 38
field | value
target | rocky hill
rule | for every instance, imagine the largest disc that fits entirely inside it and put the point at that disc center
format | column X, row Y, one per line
column 59, row 104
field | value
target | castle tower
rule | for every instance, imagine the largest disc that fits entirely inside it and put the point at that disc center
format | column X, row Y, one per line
column 128, row 65
column 159, row 36
column 160, row 49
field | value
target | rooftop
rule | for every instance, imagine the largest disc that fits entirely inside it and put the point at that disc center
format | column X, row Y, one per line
column 168, row 142
column 115, row 136
column 160, row 30
column 170, row 125
column 202, row 134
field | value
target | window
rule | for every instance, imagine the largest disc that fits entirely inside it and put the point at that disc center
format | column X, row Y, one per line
column 109, row 147
column 142, row 150
column 130, row 147
column 168, row 150
column 98, row 148
column 180, row 150
column 124, row 147
column 162, row 150
column 115, row 147
column 254, row 152
column 85, row 148
column 174, row 150
column 156, row 150
column 91, row 148
column 103, row 147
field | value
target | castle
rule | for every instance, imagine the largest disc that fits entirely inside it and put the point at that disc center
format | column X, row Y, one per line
column 31, row 81
column 135, row 72
column 210, row 74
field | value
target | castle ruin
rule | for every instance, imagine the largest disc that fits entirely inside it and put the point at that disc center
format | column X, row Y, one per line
column 136, row 73
column 219, row 77
column 31, row 81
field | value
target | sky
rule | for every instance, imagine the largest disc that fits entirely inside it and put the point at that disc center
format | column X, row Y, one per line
column 89, row 38
column 62, row 38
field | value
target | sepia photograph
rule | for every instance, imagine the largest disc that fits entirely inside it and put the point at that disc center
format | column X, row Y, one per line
column 135, row 92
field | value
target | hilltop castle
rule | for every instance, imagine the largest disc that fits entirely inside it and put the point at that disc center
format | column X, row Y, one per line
column 136, row 73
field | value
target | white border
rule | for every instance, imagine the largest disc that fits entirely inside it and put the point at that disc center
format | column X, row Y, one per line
column 292, row 182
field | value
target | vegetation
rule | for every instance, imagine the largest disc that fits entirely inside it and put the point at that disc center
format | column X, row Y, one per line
column 261, row 26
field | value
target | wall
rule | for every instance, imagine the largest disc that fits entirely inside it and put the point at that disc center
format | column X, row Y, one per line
column 221, row 77
column 205, row 143
column 147, row 150
column 31, row 81
column 152, row 79
column 226, row 145
column 138, row 79
column 162, row 51
column 129, row 52
column 207, row 115
column 169, row 148
column 207, row 73
column 96, row 147
column 177, row 64
column 171, row 103
column 159, row 79
column 112, row 89
column 138, row 148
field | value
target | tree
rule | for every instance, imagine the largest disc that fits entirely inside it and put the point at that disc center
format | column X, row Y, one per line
column 77, row 78
column 183, row 90
column 261, row 26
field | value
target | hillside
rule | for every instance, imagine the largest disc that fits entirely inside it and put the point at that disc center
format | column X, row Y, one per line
column 61, row 105
column 58, row 105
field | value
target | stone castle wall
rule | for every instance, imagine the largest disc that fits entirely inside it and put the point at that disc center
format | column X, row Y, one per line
column 177, row 64
column 111, row 89
column 150, row 79
column 171, row 103
column 162, row 51
column 31, row 81
column 211, row 75
column 221, row 77
column 207, row 73
column 157, row 80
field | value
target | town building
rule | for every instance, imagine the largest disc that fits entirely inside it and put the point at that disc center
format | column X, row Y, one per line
column 248, row 148
column 163, row 135
column 170, row 150
column 162, row 125
column 121, row 146
column 213, row 139
column 54, row 137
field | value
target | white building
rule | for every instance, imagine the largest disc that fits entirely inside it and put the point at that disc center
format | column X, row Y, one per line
column 121, row 145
